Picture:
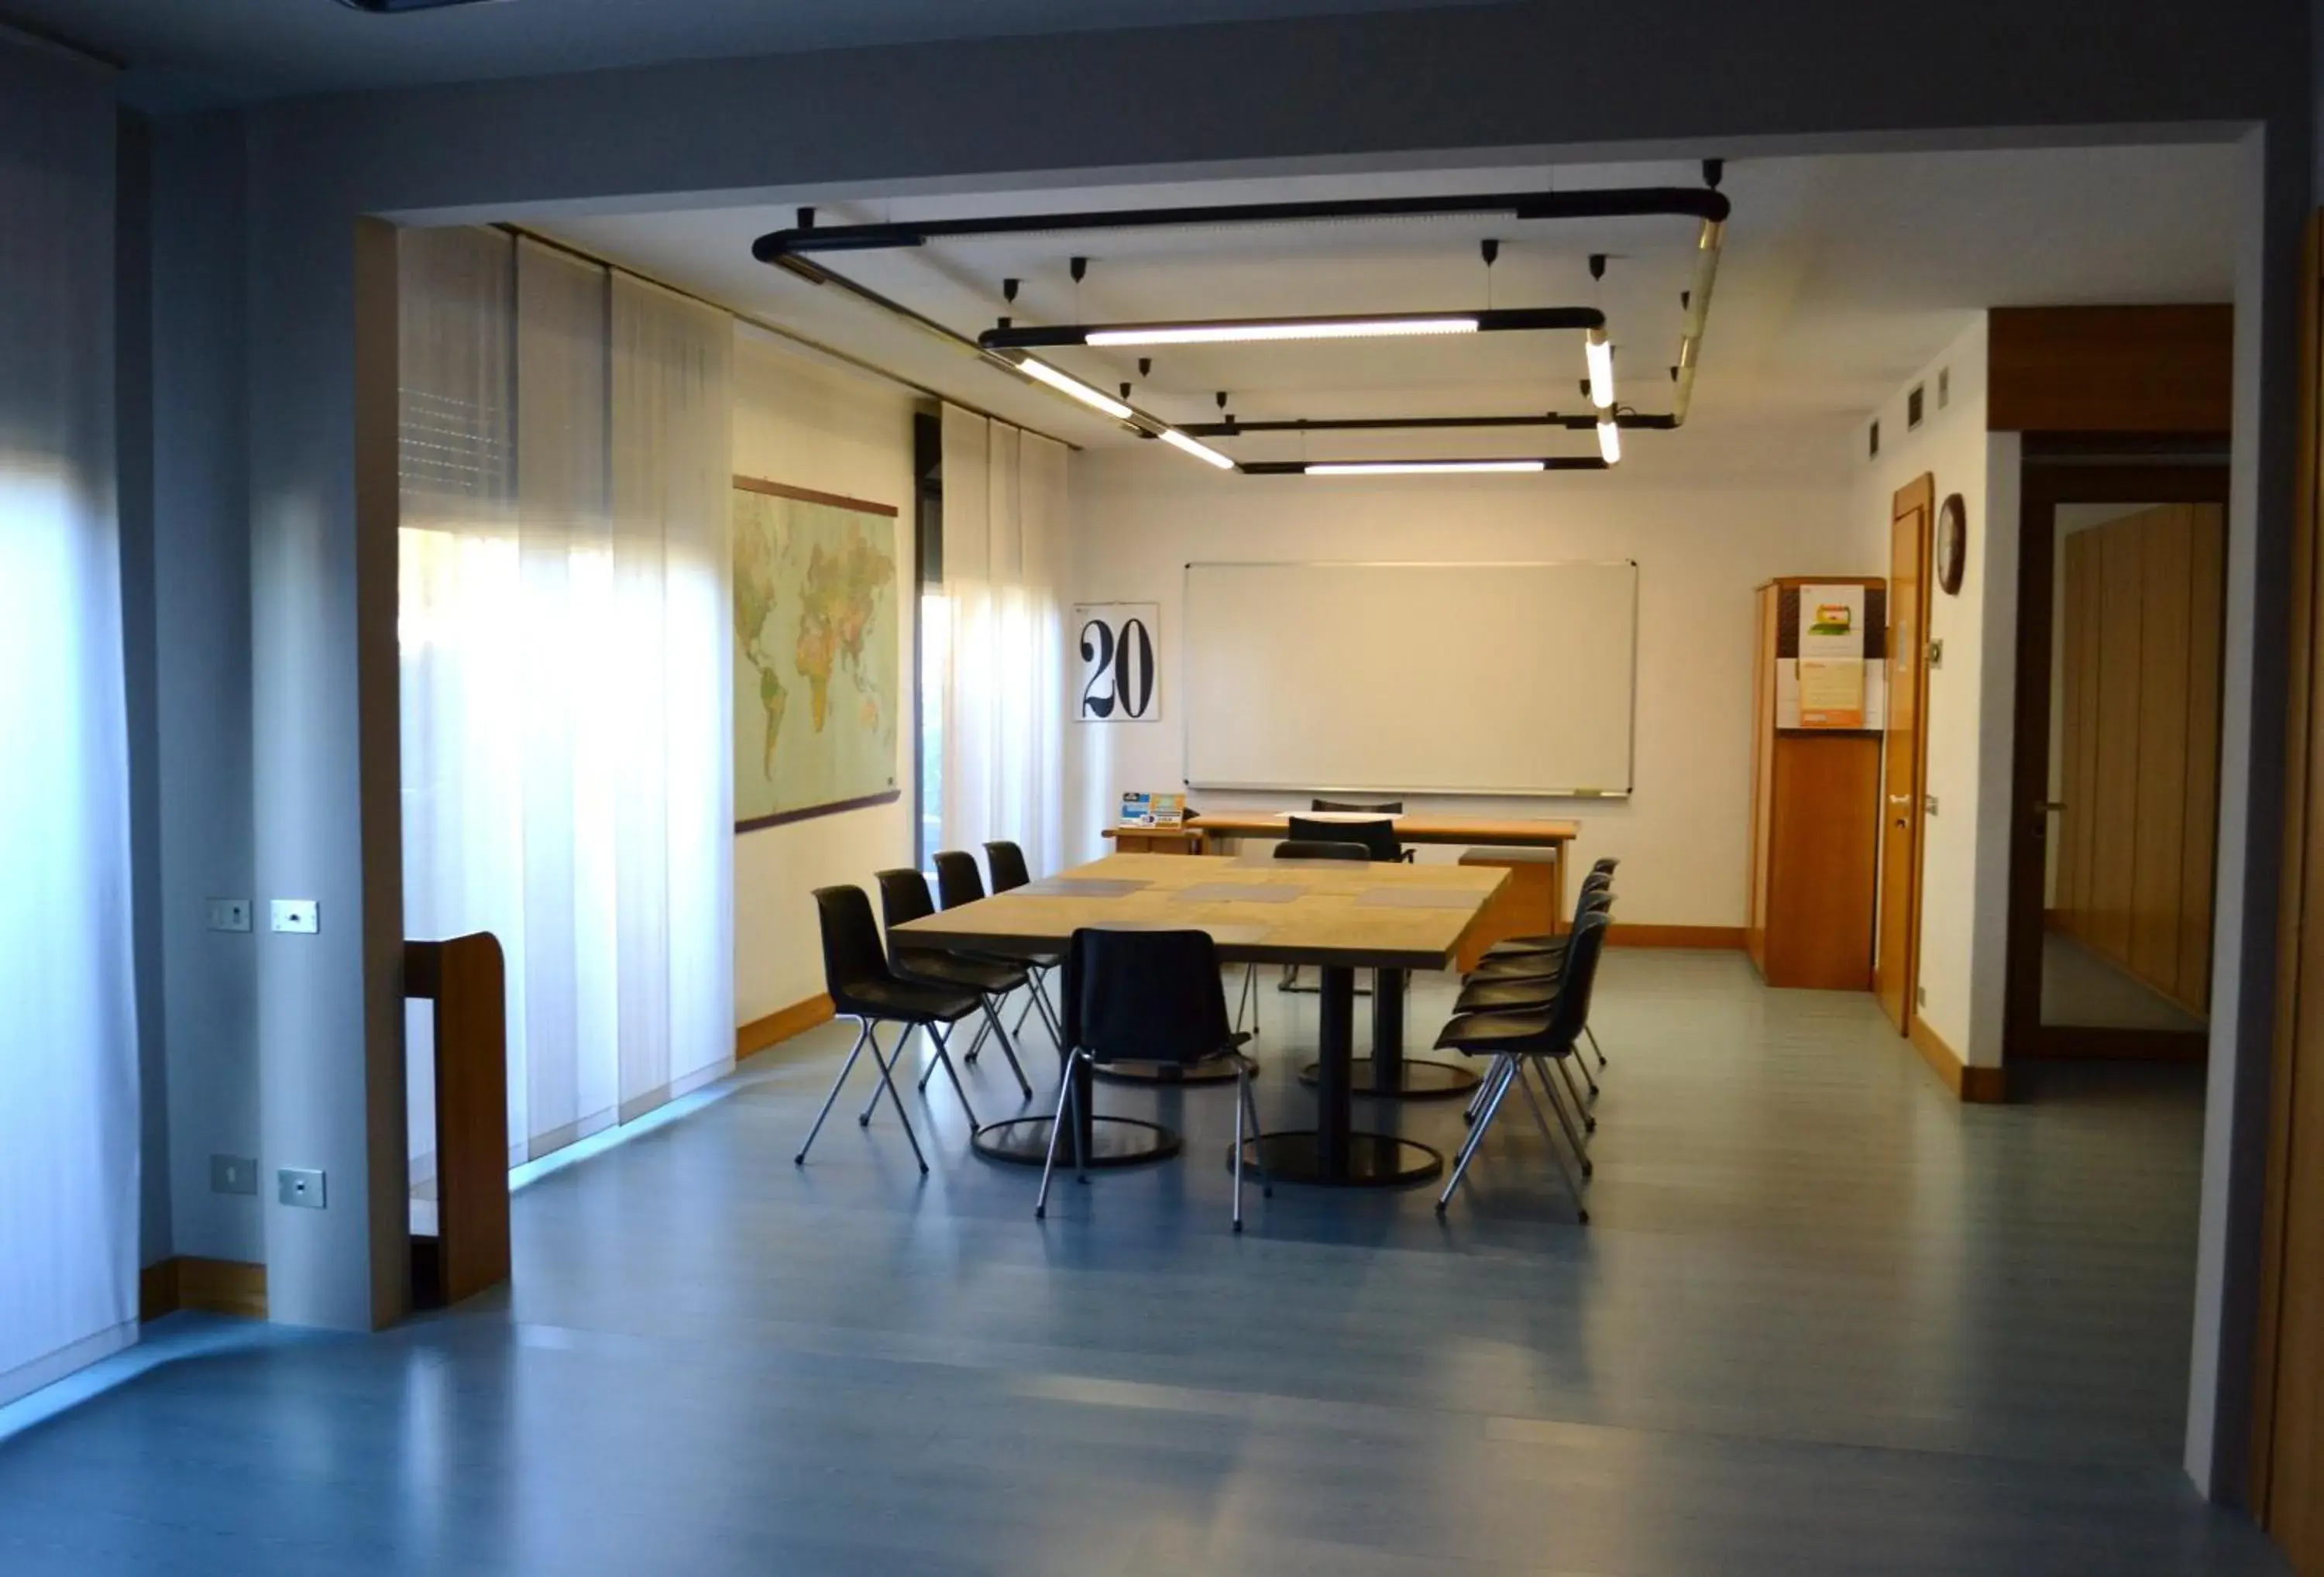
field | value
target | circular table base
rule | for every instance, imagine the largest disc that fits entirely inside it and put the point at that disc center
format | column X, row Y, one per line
column 1210, row 1070
column 1375, row 1160
column 1114, row 1141
column 1422, row 1080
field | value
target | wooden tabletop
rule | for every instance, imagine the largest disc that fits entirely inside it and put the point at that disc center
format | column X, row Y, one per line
column 1530, row 832
column 1365, row 914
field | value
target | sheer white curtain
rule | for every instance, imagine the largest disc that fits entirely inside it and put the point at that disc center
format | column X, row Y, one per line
column 1004, row 521
column 565, row 732
column 68, row 1124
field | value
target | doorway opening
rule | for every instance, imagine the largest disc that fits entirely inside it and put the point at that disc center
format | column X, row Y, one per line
column 2115, row 790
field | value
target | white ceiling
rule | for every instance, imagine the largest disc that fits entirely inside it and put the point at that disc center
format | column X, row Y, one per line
column 182, row 52
column 1842, row 276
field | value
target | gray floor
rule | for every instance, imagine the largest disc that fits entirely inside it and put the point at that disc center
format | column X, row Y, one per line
column 1824, row 1321
column 2083, row 989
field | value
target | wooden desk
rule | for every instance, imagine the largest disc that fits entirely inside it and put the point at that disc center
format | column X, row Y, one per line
column 1339, row 917
column 1518, row 913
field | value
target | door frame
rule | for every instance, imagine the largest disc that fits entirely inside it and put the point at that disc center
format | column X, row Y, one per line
column 1921, row 491
column 2179, row 471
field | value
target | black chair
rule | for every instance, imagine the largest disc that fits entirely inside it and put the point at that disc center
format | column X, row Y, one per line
column 1359, row 807
column 1518, row 1041
column 903, row 898
column 862, row 988
column 958, row 882
column 1506, row 992
column 1552, row 942
column 1005, row 861
column 1147, row 997
column 1377, row 836
column 1291, row 849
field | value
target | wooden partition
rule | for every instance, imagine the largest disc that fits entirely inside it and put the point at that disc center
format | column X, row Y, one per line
column 468, row 980
column 2139, row 742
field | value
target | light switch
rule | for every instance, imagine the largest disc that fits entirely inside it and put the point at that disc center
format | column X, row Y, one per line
column 229, row 914
column 299, row 1186
column 234, row 1174
column 300, row 916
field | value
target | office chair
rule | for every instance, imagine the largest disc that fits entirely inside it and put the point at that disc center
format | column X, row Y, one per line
column 903, row 898
column 1148, row 997
column 1519, row 1040
column 1005, row 861
column 958, row 882
column 862, row 988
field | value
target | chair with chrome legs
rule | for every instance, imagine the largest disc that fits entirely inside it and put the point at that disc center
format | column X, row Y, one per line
column 1531, row 957
column 1521, row 1041
column 1005, row 861
column 1291, row 849
column 1147, row 997
column 862, row 988
column 959, row 882
column 903, row 898
column 1506, row 991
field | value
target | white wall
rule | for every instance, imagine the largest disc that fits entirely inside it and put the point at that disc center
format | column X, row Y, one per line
column 1705, row 525
column 810, row 424
column 1965, row 855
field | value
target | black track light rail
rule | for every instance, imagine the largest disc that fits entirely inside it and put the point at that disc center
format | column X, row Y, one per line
column 1684, row 202
column 1637, row 420
column 1301, row 467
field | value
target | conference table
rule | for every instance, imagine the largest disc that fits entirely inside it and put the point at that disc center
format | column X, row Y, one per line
column 1336, row 916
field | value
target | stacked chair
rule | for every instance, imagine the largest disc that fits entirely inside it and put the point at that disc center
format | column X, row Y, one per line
column 1527, row 1007
column 904, row 897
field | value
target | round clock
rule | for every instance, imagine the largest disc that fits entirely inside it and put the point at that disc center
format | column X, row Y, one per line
column 1953, row 543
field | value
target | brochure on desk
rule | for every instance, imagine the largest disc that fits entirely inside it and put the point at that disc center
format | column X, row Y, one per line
column 1153, row 810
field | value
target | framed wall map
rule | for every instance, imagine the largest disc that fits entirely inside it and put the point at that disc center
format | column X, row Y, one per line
column 818, row 647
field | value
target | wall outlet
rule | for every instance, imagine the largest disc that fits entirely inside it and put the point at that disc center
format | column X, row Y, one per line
column 300, row 916
column 1929, row 804
column 1937, row 653
column 296, row 1186
column 229, row 914
column 234, row 1174
column 1921, row 996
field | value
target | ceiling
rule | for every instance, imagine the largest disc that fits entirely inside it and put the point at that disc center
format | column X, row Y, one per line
column 1842, row 276
column 182, row 52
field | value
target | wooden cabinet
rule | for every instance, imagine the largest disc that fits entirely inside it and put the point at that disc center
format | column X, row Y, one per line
column 1815, row 822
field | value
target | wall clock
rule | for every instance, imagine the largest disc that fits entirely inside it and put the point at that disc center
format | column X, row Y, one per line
column 1953, row 543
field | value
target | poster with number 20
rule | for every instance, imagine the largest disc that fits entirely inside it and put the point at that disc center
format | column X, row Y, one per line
column 1116, row 662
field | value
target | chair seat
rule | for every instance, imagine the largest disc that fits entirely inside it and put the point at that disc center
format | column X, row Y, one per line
column 1518, row 966
column 1487, row 1034
column 904, row 1000
column 1499, row 996
column 1510, row 946
column 954, row 969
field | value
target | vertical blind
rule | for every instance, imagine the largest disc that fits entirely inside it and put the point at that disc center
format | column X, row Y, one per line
column 69, row 1107
column 563, row 570
column 1004, row 538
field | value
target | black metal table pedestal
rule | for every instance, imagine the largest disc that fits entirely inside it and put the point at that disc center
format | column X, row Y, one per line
column 1333, row 1153
column 1106, row 1142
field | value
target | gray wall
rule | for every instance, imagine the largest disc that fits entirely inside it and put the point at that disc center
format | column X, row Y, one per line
column 1699, row 76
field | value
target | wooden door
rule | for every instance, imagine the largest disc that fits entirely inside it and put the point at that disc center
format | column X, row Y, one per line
column 1901, row 770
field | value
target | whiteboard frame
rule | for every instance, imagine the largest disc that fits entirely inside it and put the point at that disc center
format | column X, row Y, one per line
column 1630, row 766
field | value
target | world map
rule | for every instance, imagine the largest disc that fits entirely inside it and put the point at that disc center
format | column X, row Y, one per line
column 817, row 649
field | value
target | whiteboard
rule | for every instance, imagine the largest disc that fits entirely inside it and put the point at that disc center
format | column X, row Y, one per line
column 1393, row 679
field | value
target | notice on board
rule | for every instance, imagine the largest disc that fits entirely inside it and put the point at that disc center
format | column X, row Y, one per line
column 1830, row 683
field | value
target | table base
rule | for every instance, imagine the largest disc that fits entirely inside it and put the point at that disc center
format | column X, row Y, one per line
column 1375, row 1160
column 1114, row 1141
column 1419, row 1081
column 1213, row 1070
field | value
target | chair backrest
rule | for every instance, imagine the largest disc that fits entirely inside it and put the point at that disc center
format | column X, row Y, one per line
column 1145, row 996
column 1571, row 1010
column 853, row 958
column 903, row 898
column 1374, row 807
column 1604, row 867
column 1320, row 849
column 1007, row 861
column 958, row 880
column 1378, row 837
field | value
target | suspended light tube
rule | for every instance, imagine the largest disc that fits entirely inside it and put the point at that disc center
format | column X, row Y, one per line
column 1424, row 467
column 1201, row 451
column 1009, row 337
column 1609, row 443
column 1067, row 384
column 1602, row 369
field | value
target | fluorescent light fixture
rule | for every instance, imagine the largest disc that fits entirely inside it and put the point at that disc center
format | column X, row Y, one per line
column 1291, row 329
column 1423, row 467
column 1201, row 451
column 1064, row 383
column 1602, row 369
column 1609, row 442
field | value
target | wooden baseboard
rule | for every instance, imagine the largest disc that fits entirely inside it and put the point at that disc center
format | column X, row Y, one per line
column 780, row 1024
column 1621, row 935
column 2058, row 1044
column 1981, row 1085
column 217, row 1287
